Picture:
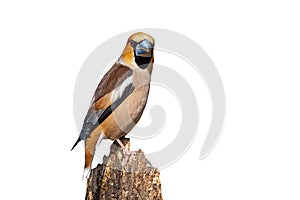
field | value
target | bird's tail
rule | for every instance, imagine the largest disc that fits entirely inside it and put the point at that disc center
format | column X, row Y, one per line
column 78, row 140
column 86, row 173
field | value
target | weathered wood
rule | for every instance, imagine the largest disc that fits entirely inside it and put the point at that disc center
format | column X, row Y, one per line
column 137, row 179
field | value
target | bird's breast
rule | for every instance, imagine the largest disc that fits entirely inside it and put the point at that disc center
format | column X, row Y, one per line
column 127, row 114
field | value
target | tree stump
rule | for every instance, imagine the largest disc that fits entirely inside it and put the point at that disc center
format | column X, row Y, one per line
column 137, row 179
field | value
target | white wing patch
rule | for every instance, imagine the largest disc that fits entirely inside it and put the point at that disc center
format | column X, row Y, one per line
column 117, row 92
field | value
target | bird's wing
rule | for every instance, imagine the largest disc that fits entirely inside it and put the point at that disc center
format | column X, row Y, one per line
column 114, row 87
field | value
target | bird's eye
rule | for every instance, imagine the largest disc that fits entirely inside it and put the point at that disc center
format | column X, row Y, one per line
column 133, row 43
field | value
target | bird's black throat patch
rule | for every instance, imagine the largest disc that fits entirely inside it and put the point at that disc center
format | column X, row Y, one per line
column 142, row 62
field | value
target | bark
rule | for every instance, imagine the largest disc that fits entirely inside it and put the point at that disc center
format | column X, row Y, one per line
column 137, row 179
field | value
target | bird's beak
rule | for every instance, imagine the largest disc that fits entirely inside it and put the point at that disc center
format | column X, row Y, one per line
column 144, row 49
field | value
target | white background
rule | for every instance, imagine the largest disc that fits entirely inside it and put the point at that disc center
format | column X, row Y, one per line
column 254, row 44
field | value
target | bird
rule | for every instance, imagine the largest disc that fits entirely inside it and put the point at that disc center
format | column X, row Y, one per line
column 120, row 97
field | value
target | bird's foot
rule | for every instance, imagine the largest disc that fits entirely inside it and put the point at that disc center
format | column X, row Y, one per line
column 127, row 153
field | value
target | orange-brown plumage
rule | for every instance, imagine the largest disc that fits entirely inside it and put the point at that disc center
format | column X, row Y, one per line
column 121, row 95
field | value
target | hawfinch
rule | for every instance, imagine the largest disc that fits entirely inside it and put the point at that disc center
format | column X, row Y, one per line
column 120, row 98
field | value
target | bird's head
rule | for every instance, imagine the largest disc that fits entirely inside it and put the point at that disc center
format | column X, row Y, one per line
column 139, row 51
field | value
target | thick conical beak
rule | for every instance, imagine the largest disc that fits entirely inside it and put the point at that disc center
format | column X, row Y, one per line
column 144, row 48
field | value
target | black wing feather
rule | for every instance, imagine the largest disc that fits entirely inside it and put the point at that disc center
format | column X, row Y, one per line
column 91, row 124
